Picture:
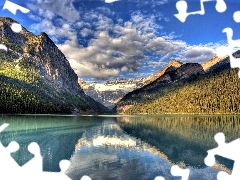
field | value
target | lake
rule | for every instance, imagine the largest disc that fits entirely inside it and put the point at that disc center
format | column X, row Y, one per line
column 122, row 147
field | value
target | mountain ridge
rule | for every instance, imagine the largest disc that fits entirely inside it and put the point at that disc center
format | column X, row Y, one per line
column 171, row 82
column 173, row 64
column 37, row 60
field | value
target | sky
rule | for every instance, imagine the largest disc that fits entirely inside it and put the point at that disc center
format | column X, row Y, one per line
column 128, row 38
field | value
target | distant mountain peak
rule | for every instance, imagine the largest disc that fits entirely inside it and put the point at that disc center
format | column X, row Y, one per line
column 44, row 35
column 7, row 20
column 207, row 65
column 174, row 63
column 39, row 54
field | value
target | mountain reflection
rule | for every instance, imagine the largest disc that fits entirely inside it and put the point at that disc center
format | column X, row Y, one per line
column 108, row 134
column 120, row 147
column 183, row 138
column 107, row 152
column 56, row 136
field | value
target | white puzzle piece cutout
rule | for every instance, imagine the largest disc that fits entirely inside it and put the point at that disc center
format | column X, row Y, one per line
column 64, row 164
column 177, row 171
column 182, row 7
column 86, row 178
column 12, row 7
column 111, row 1
column 3, row 47
column 33, row 169
column 233, row 44
column 3, row 126
column 228, row 150
column 16, row 27
column 159, row 178
column 7, row 163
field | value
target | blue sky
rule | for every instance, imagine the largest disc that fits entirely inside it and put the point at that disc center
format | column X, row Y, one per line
column 128, row 38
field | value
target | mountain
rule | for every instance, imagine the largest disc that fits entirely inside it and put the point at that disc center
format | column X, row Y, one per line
column 174, row 64
column 36, row 77
column 211, row 87
column 216, row 64
column 110, row 92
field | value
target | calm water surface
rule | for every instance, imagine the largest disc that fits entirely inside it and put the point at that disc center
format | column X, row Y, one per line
column 122, row 147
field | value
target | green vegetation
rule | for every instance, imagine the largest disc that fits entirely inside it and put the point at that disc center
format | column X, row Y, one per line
column 30, row 47
column 17, row 96
column 23, row 90
column 28, row 83
column 11, row 45
column 207, row 94
column 182, row 136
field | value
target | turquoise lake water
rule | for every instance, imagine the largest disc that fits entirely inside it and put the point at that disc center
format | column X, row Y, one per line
column 122, row 147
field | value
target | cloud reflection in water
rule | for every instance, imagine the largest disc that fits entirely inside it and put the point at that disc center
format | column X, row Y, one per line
column 107, row 152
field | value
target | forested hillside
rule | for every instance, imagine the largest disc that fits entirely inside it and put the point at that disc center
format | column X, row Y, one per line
column 36, row 77
column 209, row 88
column 210, row 93
column 23, row 90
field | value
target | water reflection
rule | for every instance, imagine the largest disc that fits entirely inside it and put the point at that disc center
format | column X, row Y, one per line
column 183, row 138
column 56, row 136
column 107, row 152
column 121, row 147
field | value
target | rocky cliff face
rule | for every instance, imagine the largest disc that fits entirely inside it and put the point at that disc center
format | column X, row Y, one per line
column 174, row 72
column 173, row 65
column 41, row 54
column 49, row 61
column 110, row 92
column 176, row 75
column 216, row 64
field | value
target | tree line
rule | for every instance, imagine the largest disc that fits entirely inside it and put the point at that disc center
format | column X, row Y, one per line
column 207, row 94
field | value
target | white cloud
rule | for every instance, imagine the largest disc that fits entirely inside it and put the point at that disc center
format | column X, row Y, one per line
column 202, row 52
column 63, row 8
column 86, row 32
column 117, row 47
column 63, row 30
column 163, row 46
column 198, row 54
column 105, row 11
column 124, row 69
column 144, row 24
column 85, row 69
column 104, row 23
column 107, row 51
column 46, row 14
column 156, row 64
column 125, row 52
column 34, row 17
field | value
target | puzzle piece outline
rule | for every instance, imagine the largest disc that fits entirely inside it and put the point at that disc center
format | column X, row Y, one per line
column 12, row 7
column 182, row 7
column 227, row 150
column 177, row 171
column 221, row 7
column 16, row 27
column 232, row 44
column 33, row 168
